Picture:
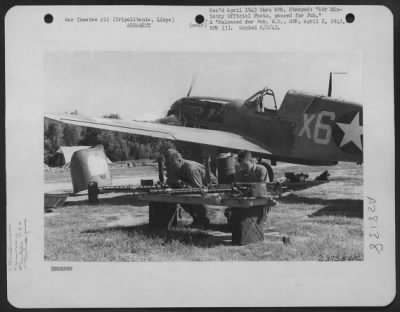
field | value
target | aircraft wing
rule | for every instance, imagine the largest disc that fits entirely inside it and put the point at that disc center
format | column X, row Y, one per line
column 177, row 133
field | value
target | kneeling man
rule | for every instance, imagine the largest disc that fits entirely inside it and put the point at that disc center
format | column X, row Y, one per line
column 249, row 172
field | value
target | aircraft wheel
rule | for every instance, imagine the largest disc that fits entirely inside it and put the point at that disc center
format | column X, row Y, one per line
column 269, row 170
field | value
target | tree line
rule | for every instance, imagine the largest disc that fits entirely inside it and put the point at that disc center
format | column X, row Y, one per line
column 118, row 146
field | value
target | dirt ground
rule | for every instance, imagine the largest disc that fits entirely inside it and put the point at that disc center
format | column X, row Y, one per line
column 323, row 223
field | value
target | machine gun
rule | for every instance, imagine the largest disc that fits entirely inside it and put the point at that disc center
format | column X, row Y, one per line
column 238, row 188
column 273, row 189
column 235, row 189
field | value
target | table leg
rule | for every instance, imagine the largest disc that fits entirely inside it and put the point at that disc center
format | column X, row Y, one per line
column 247, row 225
column 160, row 214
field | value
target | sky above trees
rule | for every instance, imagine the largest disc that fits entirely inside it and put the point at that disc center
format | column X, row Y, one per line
column 143, row 86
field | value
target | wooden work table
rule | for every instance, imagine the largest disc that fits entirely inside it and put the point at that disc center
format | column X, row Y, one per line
column 207, row 199
column 247, row 213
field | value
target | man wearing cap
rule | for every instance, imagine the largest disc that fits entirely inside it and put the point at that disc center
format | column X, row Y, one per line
column 182, row 172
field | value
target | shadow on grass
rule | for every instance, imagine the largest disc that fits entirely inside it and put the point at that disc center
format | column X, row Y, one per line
column 351, row 208
column 187, row 236
column 355, row 179
column 117, row 200
column 355, row 211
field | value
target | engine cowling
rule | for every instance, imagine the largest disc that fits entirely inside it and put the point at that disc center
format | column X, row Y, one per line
column 199, row 111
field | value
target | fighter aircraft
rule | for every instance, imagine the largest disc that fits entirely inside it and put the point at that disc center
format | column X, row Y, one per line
column 306, row 129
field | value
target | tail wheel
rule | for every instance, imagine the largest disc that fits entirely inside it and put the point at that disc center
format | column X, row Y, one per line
column 269, row 170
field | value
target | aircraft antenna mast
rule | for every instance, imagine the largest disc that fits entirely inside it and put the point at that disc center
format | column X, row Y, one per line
column 191, row 84
column 330, row 81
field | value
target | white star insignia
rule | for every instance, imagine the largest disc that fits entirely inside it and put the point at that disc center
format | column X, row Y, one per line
column 352, row 132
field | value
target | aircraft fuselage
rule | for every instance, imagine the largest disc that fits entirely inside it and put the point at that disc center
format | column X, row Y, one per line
column 306, row 129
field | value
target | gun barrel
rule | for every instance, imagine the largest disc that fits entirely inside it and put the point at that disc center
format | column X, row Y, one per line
column 242, row 188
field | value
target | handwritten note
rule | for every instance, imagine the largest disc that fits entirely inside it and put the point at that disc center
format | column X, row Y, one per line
column 374, row 234
column 17, row 246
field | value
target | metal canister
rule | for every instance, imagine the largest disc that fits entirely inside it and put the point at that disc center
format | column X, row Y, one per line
column 226, row 168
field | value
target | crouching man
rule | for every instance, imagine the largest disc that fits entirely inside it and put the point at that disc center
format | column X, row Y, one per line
column 249, row 172
column 182, row 172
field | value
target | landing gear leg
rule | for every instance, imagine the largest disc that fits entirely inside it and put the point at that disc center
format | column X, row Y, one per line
column 269, row 169
column 210, row 154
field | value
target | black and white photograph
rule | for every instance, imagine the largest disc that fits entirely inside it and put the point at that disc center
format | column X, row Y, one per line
column 185, row 156
column 199, row 156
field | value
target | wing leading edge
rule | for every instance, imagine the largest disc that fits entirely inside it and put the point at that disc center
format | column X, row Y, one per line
column 215, row 138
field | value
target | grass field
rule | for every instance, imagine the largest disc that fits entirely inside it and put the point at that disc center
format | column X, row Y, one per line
column 322, row 223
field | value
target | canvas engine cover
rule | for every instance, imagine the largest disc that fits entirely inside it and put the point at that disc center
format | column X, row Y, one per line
column 89, row 165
